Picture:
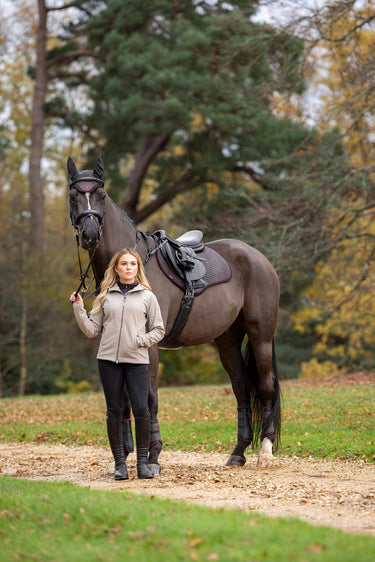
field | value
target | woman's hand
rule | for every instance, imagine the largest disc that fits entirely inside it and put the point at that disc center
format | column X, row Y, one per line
column 76, row 298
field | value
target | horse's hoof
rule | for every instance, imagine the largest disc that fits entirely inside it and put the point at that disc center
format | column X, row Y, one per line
column 154, row 468
column 264, row 461
column 235, row 460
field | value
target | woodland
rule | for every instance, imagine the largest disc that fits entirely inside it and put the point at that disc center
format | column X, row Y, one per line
column 244, row 119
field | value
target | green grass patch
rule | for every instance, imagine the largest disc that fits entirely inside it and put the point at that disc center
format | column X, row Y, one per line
column 60, row 522
column 321, row 422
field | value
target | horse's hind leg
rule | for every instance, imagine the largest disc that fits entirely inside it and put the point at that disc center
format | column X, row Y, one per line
column 229, row 346
column 267, row 398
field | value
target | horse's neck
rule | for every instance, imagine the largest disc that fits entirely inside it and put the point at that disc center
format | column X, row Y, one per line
column 119, row 231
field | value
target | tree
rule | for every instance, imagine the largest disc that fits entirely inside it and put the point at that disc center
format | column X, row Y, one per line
column 37, row 133
column 337, row 305
column 177, row 81
column 53, row 59
column 34, row 286
column 348, row 34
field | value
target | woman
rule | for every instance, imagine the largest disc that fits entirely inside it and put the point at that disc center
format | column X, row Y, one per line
column 127, row 315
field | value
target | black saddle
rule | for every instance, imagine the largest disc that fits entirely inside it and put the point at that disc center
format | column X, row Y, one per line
column 181, row 254
column 193, row 267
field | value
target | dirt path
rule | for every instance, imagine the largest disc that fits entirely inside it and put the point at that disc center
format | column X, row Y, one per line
column 336, row 494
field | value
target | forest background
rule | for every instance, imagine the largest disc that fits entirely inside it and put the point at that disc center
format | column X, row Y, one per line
column 247, row 119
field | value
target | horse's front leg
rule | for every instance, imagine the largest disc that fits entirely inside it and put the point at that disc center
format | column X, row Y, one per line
column 128, row 442
column 244, row 437
column 153, row 405
column 229, row 346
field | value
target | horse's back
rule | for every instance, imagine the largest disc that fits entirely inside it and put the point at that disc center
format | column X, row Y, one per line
column 247, row 261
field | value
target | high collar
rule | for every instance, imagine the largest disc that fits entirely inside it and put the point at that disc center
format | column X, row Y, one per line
column 138, row 287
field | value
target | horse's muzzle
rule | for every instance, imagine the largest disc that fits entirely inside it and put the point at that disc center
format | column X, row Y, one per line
column 90, row 231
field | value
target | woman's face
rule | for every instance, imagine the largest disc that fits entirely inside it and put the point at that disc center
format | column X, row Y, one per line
column 127, row 268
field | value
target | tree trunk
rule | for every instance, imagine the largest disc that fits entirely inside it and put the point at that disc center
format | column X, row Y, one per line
column 23, row 337
column 149, row 148
column 37, row 134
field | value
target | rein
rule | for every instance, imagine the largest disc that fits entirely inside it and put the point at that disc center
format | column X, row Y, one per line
column 83, row 187
column 83, row 276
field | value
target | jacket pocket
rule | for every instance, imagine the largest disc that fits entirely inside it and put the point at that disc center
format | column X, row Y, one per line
column 139, row 341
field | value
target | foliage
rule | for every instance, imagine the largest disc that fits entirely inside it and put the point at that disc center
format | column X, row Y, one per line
column 205, row 76
column 348, row 34
column 338, row 307
column 197, row 365
column 74, row 523
column 309, row 417
column 314, row 369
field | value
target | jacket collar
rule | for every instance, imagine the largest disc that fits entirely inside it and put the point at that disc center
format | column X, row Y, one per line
column 116, row 288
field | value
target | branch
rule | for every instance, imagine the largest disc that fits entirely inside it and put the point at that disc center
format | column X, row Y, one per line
column 353, row 291
column 70, row 5
column 71, row 55
column 182, row 185
column 254, row 176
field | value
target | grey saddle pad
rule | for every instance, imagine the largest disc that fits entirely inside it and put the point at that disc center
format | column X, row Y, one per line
column 217, row 271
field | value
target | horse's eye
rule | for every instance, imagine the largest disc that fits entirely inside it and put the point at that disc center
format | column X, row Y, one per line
column 101, row 192
column 73, row 195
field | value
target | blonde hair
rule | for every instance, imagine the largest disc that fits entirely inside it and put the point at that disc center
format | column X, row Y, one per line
column 111, row 277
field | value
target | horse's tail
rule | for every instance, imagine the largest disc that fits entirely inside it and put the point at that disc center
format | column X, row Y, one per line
column 255, row 398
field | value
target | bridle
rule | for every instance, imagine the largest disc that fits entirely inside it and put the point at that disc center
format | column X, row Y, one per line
column 86, row 185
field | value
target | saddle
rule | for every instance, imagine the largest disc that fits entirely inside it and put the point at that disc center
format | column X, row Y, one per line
column 192, row 266
column 181, row 254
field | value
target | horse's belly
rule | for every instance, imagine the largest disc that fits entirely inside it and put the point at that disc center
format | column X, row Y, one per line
column 211, row 316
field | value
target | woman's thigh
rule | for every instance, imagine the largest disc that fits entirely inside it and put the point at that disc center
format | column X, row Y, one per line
column 137, row 380
column 112, row 377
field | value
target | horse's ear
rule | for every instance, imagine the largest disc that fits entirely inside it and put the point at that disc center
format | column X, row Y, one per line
column 99, row 168
column 72, row 168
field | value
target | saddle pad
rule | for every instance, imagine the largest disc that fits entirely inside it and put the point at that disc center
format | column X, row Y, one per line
column 217, row 271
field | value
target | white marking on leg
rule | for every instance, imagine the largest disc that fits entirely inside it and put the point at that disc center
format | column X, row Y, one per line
column 265, row 456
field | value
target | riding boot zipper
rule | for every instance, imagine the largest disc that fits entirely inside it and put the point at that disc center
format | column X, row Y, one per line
column 119, row 336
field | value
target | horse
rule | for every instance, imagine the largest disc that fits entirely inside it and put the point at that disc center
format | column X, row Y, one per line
column 226, row 314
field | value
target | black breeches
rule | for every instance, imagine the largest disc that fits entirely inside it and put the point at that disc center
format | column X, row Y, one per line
column 136, row 378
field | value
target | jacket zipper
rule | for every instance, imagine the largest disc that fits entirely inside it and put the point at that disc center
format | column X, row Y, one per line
column 119, row 336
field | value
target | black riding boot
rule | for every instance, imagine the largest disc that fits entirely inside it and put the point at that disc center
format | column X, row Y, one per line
column 115, row 438
column 142, row 436
column 128, row 437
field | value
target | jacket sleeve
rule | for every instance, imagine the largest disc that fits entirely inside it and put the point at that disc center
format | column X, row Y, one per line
column 91, row 325
column 154, row 322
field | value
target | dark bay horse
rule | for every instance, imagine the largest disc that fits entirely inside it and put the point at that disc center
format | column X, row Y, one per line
column 224, row 314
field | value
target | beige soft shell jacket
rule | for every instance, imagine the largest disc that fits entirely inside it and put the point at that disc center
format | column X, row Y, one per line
column 122, row 322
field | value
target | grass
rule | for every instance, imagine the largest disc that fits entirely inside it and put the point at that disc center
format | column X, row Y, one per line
column 59, row 522
column 321, row 422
